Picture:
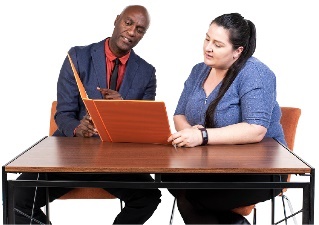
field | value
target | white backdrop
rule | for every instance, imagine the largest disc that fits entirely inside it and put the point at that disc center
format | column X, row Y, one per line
column 36, row 35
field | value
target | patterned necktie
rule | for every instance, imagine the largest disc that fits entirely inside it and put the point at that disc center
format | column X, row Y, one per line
column 114, row 75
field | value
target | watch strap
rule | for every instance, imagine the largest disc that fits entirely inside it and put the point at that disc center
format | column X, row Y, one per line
column 204, row 135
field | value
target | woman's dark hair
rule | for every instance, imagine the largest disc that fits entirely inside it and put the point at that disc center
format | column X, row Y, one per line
column 242, row 32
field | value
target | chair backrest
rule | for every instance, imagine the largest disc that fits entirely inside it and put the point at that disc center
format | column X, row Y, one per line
column 53, row 126
column 78, row 193
column 289, row 121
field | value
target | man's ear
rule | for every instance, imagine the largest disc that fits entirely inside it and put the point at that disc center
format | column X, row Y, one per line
column 116, row 19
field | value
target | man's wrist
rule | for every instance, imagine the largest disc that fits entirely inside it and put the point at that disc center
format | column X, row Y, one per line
column 204, row 135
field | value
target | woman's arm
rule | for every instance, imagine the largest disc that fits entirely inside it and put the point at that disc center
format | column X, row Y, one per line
column 240, row 133
column 180, row 122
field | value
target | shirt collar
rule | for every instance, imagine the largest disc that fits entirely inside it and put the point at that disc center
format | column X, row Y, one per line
column 110, row 56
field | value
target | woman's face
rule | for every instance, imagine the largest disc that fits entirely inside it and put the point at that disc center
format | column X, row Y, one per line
column 218, row 51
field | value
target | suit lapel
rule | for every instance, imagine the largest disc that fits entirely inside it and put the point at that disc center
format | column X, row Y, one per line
column 129, row 75
column 99, row 63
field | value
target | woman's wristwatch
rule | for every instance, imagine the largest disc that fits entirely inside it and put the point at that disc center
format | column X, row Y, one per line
column 204, row 135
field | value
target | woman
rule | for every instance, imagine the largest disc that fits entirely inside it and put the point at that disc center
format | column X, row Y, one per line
column 230, row 98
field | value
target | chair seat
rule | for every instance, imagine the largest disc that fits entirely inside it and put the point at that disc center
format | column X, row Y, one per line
column 87, row 193
column 244, row 210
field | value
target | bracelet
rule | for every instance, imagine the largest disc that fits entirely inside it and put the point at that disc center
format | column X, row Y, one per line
column 204, row 135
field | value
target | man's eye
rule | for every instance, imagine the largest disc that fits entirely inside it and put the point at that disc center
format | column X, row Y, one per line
column 140, row 31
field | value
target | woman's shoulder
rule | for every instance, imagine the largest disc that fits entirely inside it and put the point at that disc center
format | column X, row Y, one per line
column 257, row 67
column 199, row 71
column 254, row 63
column 200, row 68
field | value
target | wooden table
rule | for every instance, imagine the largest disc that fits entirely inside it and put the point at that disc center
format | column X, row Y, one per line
column 90, row 155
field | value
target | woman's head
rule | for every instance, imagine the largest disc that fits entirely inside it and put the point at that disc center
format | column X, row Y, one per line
column 229, row 38
column 230, row 42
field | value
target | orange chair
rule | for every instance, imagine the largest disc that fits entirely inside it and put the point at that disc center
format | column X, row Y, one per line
column 289, row 121
column 79, row 193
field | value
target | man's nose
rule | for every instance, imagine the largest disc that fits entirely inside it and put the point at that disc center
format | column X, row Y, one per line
column 131, row 31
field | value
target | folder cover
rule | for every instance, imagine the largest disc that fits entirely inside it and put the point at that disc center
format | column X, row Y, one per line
column 139, row 121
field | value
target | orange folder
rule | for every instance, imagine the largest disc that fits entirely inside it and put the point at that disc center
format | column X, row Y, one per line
column 138, row 121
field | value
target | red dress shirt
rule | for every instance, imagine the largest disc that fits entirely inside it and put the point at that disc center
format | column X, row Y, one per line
column 110, row 63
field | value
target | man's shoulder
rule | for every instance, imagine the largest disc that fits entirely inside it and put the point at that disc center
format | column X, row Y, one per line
column 139, row 60
column 88, row 48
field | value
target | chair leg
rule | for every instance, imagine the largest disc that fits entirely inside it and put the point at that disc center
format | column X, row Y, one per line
column 290, row 208
column 292, row 213
column 172, row 214
column 284, row 208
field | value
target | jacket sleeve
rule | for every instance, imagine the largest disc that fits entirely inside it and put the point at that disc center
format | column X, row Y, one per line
column 68, row 107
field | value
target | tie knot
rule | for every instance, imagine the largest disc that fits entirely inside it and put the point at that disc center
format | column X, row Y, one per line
column 117, row 61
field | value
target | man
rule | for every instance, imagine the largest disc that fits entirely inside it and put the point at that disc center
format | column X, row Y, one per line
column 136, row 80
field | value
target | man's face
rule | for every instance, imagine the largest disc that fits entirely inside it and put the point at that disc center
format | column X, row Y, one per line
column 129, row 29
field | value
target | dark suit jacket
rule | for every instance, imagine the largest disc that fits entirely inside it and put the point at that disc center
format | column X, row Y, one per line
column 139, row 83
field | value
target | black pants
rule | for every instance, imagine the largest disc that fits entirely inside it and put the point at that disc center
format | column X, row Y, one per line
column 140, row 204
column 213, row 206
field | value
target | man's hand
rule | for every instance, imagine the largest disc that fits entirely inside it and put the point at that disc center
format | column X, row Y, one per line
column 110, row 94
column 86, row 128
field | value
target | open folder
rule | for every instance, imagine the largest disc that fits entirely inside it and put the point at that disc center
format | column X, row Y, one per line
column 138, row 121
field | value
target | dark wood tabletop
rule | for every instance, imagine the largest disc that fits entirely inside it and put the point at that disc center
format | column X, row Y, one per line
column 65, row 154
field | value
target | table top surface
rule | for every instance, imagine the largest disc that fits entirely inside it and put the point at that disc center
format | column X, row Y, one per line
column 91, row 155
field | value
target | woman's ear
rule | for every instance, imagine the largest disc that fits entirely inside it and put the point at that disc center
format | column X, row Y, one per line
column 237, row 52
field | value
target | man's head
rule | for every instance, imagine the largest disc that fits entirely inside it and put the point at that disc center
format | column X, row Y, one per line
column 129, row 28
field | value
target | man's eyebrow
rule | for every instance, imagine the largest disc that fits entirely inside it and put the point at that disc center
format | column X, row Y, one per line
column 128, row 18
column 133, row 22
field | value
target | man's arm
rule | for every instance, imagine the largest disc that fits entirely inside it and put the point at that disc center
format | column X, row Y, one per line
column 68, row 107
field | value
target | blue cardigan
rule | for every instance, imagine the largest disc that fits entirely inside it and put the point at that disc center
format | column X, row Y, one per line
column 251, row 98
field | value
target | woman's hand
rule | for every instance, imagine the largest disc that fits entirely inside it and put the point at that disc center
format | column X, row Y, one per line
column 188, row 137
